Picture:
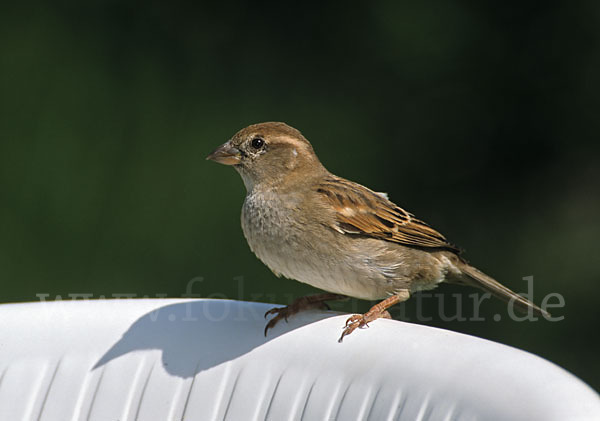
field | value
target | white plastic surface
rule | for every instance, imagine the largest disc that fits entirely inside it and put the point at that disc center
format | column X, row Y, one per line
column 208, row 360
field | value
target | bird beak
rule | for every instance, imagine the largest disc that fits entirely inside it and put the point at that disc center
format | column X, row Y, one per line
column 226, row 154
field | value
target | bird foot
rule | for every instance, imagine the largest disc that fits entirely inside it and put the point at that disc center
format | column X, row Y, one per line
column 300, row 304
column 362, row 321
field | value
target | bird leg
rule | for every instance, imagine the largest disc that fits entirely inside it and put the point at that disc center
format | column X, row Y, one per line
column 299, row 304
column 378, row 311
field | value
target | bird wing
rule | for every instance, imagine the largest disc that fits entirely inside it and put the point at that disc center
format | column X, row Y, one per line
column 361, row 211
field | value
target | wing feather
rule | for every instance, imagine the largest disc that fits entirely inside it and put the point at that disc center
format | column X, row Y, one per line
column 360, row 211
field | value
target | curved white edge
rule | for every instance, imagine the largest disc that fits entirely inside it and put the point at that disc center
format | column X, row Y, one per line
column 208, row 359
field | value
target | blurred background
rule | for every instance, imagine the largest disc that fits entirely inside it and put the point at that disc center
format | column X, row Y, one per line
column 480, row 118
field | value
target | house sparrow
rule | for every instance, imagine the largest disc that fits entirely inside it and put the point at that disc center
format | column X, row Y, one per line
column 307, row 224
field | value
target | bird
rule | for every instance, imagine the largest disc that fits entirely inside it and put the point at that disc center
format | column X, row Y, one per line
column 309, row 225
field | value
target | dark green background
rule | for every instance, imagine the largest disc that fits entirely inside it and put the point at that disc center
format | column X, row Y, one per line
column 479, row 117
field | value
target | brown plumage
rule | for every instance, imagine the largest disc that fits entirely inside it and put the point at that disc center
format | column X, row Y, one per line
column 365, row 212
column 307, row 224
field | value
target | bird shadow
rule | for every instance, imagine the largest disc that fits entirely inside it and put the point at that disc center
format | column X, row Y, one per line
column 199, row 334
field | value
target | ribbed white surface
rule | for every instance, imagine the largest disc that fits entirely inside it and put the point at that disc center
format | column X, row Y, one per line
column 208, row 360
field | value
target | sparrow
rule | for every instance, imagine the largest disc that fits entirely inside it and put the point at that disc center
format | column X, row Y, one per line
column 310, row 225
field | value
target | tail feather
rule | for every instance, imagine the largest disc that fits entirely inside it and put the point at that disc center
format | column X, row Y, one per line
column 479, row 279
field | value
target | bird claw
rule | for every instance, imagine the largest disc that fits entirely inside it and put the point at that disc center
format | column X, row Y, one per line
column 280, row 313
column 354, row 322
column 354, row 319
column 362, row 321
column 271, row 324
column 274, row 310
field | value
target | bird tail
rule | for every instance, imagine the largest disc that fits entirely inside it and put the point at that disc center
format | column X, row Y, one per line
column 477, row 278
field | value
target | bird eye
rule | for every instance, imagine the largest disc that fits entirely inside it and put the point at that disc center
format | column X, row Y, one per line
column 257, row 143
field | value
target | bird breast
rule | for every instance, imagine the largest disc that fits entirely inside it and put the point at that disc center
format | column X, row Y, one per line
column 272, row 230
column 291, row 244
